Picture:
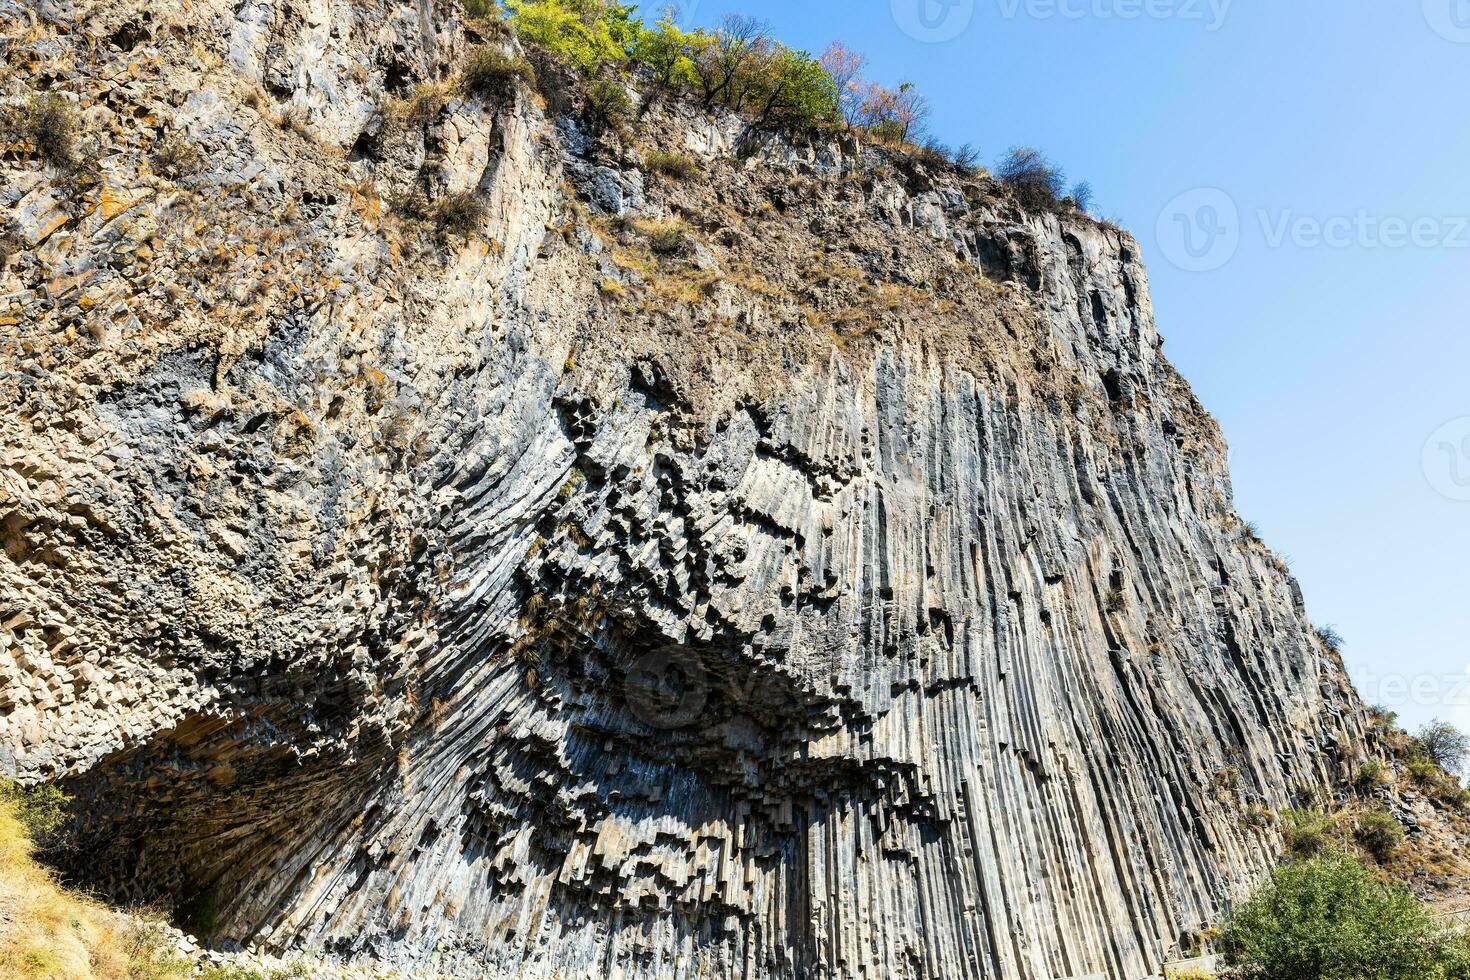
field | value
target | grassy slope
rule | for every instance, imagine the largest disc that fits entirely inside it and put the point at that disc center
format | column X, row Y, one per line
column 47, row 931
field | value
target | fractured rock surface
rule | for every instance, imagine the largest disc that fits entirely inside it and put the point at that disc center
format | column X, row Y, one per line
column 855, row 593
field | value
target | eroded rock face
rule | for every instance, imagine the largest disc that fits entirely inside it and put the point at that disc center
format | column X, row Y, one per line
column 854, row 591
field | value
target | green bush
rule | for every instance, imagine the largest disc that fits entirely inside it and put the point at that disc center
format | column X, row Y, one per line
column 1371, row 775
column 608, row 103
column 491, row 74
column 42, row 810
column 1379, row 833
column 1306, row 832
column 1330, row 919
column 1444, row 745
column 667, row 238
column 1423, row 772
column 587, row 33
column 675, row 165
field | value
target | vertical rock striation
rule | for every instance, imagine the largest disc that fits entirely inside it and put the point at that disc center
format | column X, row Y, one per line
column 856, row 594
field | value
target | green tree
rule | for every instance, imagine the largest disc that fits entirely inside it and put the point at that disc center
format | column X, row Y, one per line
column 665, row 50
column 588, row 33
column 793, row 88
column 1330, row 919
column 1444, row 745
column 724, row 62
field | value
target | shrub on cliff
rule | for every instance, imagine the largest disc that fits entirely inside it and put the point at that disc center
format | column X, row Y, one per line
column 1379, row 834
column 677, row 165
column 608, row 103
column 1036, row 183
column 459, row 213
column 1330, row 919
column 41, row 810
column 46, row 121
column 586, row 33
column 1307, row 833
column 490, row 73
column 1444, row 745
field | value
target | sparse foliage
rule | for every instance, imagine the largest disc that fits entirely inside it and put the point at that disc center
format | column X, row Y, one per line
column 844, row 67
column 1379, row 834
column 49, row 124
column 893, row 114
column 459, row 213
column 1081, row 195
column 1031, row 177
column 174, row 156
column 1444, row 745
column 489, row 73
column 677, row 165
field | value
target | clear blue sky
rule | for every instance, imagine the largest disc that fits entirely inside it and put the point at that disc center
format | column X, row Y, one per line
column 1329, row 366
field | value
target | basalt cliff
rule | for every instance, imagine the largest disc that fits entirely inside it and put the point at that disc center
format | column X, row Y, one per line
column 807, row 565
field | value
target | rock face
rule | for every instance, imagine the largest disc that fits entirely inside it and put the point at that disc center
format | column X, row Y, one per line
column 811, row 568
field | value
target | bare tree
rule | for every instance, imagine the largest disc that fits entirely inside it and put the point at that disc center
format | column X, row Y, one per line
column 725, row 61
column 845, row 66
column 897, row 114
column 1081, row 194
column 1032, row 177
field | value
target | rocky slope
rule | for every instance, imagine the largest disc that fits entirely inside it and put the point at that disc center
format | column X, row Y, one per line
column 810, row 567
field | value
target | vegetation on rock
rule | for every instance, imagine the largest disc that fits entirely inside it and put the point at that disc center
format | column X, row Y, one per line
column 45, row 121
column 1329, row 918
column 739, row 65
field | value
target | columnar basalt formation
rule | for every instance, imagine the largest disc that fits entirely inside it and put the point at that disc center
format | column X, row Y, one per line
column 849, row 588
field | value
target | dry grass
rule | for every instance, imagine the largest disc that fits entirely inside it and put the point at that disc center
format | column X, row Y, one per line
column 50, row 932
column 47, row 931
